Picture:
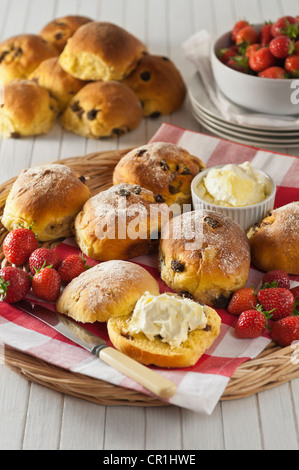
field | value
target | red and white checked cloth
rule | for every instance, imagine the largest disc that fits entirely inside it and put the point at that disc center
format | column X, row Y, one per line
column 199, row 387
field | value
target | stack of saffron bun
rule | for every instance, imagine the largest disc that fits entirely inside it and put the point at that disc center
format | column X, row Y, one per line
column 98, row 79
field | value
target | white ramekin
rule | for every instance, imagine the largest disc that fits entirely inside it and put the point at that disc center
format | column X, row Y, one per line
column 244, row 216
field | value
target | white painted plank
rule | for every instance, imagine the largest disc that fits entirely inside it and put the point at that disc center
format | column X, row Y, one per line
column 163, row 429
column 125, row 428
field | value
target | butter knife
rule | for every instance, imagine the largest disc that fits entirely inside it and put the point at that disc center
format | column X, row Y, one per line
column 146, row 377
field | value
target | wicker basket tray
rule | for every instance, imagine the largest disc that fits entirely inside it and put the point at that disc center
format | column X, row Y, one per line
column 271, row 368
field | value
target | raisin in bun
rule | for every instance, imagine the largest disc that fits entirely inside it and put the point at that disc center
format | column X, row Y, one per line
column 274, row 242
column 59, row 30
column 28, row 110
column 107, row 290
column 20, row 55
column 206, row 255
column 101, row 51
column 102, row 109
column 161, row 167
column 119, row 223
column 46, row 198
column 160, row 353
column 158, row 84
column 59, row 83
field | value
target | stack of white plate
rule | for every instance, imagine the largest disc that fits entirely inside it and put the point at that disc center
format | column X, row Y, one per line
column 206, row 113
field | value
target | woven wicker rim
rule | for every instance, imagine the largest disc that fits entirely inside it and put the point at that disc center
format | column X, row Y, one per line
column 270, row 369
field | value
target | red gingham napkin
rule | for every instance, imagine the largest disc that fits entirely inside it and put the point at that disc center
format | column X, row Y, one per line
column 199, row 387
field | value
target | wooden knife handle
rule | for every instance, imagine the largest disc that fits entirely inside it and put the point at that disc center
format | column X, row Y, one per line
column 152, row 381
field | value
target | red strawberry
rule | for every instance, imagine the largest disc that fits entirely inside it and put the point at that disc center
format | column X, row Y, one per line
column 276, row 278
column 251, row 324
column 265, row 34
column 278, row 300
column 14, row 284
column 226, row 54
column 275, row 72
column 296, row 48
column 46, row 284
column 71, row 267
column 243, row 299
column 281, row 47
column 261, row 60
column 292, row 65
column 237, row 27
column 252, row 48
column 247, row 35
column 18, row 245
column 295, row 292
column 43, row 257
column 285, row 25
column 285, row 331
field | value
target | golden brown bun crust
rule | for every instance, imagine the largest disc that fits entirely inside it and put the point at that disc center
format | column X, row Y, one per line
column 21, row 54
column 274, row 242
column 58, row 31
column 102, row 109
column 160, row 354
column 158, row 84
column 101, row 232
column 107, row 290
column 161, row 167
column 217, row 265
column 48, row 198
column 101, row 51
column 28, row 109
column 59, row 83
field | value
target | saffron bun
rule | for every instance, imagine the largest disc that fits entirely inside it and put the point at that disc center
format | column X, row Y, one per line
column 118, row 223
column 206, row 255
column 59, row 30
column 107, row 290
column 102, row 109
column 46, row 198
column 60, row 84
column 158, row 84
column 161, row 354
column 21, row 54
column 28, row 110
column 101, row 51
column 274, row 242
column 163, row 168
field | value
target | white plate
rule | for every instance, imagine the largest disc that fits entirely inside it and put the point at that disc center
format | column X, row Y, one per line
column 273, row 140
column 242, row 140
column 200, row 98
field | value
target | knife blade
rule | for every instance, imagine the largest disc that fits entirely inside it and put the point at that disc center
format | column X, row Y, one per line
column 155, row 383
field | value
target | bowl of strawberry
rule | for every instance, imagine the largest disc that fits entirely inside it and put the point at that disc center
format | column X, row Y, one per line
column 257, row 66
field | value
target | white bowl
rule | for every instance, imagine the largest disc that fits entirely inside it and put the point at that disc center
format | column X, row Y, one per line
column 263, row 95
column 247, row 216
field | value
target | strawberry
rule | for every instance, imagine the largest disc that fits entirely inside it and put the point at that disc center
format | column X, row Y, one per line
column 251, row 324
column 295, row 292
column 276, row 278
column 241, row 300
column 273, row 72
column 71, row 267
column 265, row 34
column 43, row 257
column 252, row 48
column 237, row 27
column 18, row 245
column 296, row 48
column 292, row 65
column 46, row 284
column 225, row 54
column 261, row 60
column 281, row 47
column 285, row 331
column 278, row 300
column 14, row 284
column 285, row 25
column 247, row 35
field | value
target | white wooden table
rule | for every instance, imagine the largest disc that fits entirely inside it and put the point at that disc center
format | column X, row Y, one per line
column 33, row 417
